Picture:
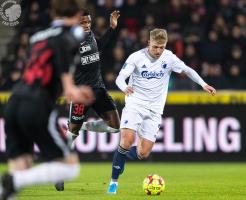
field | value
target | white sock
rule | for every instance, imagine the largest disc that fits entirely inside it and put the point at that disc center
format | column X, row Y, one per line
column 113, row 181
column 98, row 126
column 45, row 173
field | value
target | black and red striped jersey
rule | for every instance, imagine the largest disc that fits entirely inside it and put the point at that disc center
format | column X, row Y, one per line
column 52, row 53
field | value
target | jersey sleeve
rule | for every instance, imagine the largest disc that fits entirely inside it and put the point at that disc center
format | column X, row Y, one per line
column 179, row 66
column 128, row 66
column 125, row 72
column 105, row 39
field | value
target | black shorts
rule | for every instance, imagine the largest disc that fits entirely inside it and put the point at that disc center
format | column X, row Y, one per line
column 102, row 104
column 30, row 120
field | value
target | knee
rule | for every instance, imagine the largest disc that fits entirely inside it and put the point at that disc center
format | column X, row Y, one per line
column 142, row 155
column 127, row 138
column 126, row 144
column 74, row 128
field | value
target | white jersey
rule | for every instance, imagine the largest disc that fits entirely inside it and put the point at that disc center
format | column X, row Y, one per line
column 149, row 78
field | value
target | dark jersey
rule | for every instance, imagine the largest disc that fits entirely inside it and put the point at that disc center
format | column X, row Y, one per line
column 88, row 72
column 52, row 53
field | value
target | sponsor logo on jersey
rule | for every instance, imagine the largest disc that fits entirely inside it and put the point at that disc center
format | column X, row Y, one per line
column 90, row 58
column 84, row 48
column 144, row 66
column 152, row 74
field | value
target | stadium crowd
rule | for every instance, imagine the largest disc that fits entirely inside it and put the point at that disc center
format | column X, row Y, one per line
column 210, row 36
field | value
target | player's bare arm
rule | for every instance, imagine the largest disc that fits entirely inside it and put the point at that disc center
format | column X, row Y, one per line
column 114, row 19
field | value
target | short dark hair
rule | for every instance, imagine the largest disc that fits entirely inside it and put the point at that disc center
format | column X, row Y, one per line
column 85, row 12
column 66, row 8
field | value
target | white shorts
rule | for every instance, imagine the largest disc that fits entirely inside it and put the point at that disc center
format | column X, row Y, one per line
column 143, row 121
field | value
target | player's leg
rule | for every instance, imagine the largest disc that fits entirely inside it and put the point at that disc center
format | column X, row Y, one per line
column 126, row 140
column 18, row 148
column 54, row 147
column 105, row 107
column 76, row 117
column 131, row 119
column 75, row 121
column 147, row 136
column 62, row 165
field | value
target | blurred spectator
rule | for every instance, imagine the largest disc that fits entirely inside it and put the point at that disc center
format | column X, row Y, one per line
column 235, row 68
column 212, row 50
column 105, row 9
column 175, row 40
column 220, row 27
column 237, row 38
column 119, row 58
column 131, row 16
column 194, row 29
column 191, row 59
column 143, row 38
column 100, row 26
column 126, row 40
column 149, row 22
column 34, row 18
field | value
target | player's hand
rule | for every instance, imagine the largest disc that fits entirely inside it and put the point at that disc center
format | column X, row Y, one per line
column 209, row 89
column 114, row 19
column 129, row 90
column 80, row 94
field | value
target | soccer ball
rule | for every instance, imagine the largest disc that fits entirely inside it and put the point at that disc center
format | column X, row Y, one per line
column 153, row 184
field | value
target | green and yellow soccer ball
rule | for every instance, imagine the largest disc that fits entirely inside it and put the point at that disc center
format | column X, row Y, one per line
column 153, row 184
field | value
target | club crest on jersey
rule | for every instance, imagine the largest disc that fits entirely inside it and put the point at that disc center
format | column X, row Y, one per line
column 152, row 74
column 164, row 65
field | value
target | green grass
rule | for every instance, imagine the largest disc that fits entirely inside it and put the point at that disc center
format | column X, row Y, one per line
column 195, row 181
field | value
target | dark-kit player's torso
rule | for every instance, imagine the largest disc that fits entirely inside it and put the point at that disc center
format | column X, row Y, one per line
column 48, row 60
column 88, row 72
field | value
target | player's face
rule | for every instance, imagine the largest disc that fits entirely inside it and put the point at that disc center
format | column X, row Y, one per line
column 156, row 48
column 85, row 22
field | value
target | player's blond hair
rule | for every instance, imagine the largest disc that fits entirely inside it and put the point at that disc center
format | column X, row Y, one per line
column 159, row 35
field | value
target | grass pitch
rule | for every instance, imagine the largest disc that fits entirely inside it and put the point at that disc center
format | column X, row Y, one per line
column 184, row 181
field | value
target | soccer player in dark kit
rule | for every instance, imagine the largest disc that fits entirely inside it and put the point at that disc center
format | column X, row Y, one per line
column 30, row 116
column 88, row 72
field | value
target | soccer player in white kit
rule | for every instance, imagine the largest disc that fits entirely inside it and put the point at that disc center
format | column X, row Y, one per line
column 149, row 70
